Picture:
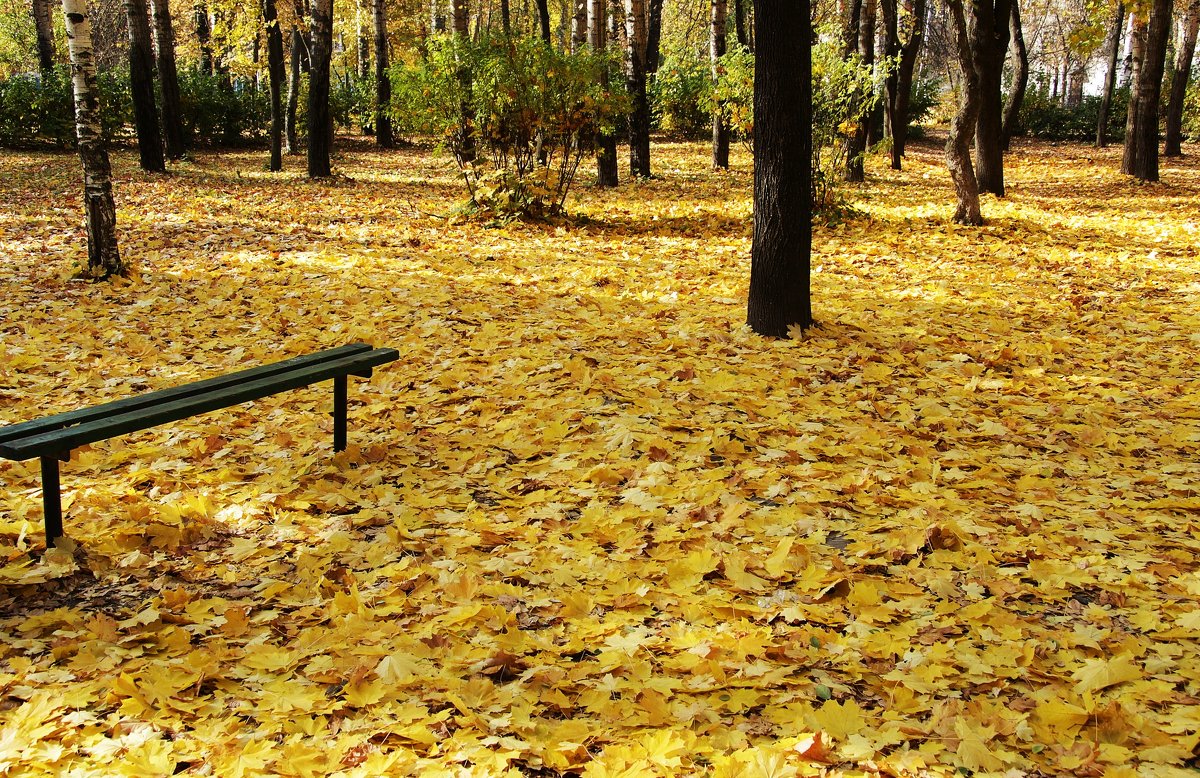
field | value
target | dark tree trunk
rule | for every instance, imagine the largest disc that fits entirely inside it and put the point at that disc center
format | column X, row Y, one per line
column 1141, row 135
column 466, row 151
column 739, row 23
column 958, row 144
column 168, row 81
column 204, row 37
column 1172, row 145
column 383, row 83
column 1110, row 75
column 654, row 37
column 141, row 87
column 296, row 66
column 543, row 12
column 636, row 31
column 1012, row 109
column 506, row 18
column 276, row 76
column 320, row 122
column 720, row 127
column 606, row 143
column 782, row 246
column 910, row 31
column 44, row 27
column 104, row 260
column 856, row 143
column 989, row 43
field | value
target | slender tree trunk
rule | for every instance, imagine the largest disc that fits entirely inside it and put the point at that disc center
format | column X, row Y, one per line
column 910, row 31
column 543, row 12
column 1110, row 75
column 362, row 15
column 989, row 44
column 636, row 28
column 782, row 245
column 716, row 49
column 168, row 81
column 204, row 37
column 958, row 145
column 1173, row 144
column 295, row 67
column 275, row 75
column 653, row 36
column 383, row 83
column 606, row 142
column 320, row 122
column 1012, row 109
column 1141, row 137
column 104, row 260
column 44, row 27
column 506, row 18
column 856, row 143
column 141, row 87
column 465, row 145
column 739, row 22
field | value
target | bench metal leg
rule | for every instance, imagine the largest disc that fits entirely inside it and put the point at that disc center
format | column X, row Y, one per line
column 339, row 412
column 51, row 500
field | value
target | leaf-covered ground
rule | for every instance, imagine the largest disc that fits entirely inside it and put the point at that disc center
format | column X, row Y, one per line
column 589, row 524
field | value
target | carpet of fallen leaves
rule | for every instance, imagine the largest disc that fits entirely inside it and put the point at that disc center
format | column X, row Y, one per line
column 590, row 524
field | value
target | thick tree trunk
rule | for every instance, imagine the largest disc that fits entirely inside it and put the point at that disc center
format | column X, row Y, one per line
column 44, row 27
column 383, row 83
column 636, row 31
column 1110, row 75
column 904, row 35
column 782, row 245
column 606, row 142
column 168, row 81
column 104, row 260
column 1141, row 137
column 1016, row 96
column 654, row 36
column 989, row 43
column 141, row 87
column 543, row 12
column 320, row 122
column 203, row 36
column 958, row 145
column 275, row 74
column 1172, row 145
column 716, row 50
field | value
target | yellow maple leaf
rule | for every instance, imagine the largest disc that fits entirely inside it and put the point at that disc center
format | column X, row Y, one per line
column 1097, row 674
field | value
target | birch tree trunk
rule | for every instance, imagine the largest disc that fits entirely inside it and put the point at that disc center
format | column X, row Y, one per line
column 104, row 260
column 141, row 87
column 579, row 26
column 362, row 13
column 383, row 84
column 958, row 144
column 320, row 121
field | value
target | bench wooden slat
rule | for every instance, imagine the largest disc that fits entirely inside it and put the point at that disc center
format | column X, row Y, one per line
column 27, row 429
column 200, row 397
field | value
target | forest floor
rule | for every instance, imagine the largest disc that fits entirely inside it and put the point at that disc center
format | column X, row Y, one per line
column 589, row 524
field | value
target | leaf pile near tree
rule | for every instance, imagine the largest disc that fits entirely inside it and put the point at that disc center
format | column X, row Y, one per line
column 590, row 525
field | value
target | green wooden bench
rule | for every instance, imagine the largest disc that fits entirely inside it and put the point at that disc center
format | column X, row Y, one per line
column 52, row 438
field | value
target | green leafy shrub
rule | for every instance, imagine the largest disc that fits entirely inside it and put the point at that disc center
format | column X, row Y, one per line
column 1042, row 116
column 39, row 108
column 681, row 94
column 518, row 115
column 843, row 92
column 220, row 110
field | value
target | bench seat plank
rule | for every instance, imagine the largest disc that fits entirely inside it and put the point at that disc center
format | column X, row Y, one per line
column 201, row 397
column 32, row 428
